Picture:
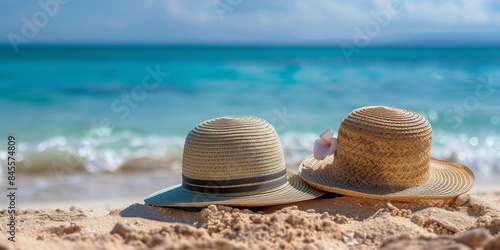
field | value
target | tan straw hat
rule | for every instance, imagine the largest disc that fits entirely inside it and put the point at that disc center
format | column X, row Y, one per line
column 234, row 160
column 385, row 153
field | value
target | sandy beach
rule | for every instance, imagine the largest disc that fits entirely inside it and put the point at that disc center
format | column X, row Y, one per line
column 112, row 110
column 472, row 221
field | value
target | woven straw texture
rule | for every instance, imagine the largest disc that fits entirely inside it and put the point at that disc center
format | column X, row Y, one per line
column 234, row 149
column 385, row 152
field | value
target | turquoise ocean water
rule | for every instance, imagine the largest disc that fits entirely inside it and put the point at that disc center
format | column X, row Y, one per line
column 116, row 117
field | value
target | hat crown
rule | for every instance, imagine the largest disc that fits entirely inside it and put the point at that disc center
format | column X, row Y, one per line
column 384, row 146
column 233, row 148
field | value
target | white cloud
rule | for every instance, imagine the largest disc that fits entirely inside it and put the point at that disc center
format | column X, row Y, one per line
column 175, row 8
column 327, row 19
column 443, row 11
column 260, row 20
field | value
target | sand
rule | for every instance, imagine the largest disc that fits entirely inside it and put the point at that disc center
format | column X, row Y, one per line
column 334, row 222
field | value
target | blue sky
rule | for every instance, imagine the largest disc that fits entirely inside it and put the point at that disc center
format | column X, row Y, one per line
column 288, row 22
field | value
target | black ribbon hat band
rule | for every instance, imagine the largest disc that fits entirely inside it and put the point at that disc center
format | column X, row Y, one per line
column 227, row 186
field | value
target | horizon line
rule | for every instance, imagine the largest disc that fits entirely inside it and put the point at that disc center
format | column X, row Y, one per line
column 240, row 45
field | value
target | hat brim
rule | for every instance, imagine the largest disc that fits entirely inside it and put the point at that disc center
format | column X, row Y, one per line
column 447, row 180
column 295, row 189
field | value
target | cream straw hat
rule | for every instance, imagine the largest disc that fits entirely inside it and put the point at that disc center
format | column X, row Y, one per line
column 234, row 160
column 385, row 153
